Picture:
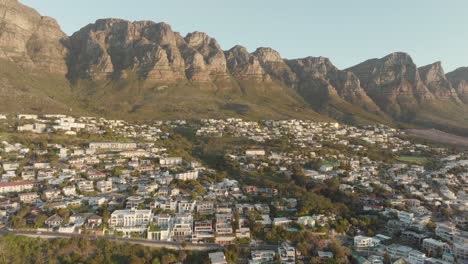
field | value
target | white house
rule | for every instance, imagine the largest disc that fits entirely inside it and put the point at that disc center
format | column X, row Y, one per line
column 416, row 257
column 363, row 242
column 104, row 186
column 130, row 220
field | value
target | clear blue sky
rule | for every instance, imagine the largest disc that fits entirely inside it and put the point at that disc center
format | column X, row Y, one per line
column 346, row 31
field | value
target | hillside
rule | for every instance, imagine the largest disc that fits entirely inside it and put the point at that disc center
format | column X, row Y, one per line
column 146, row 70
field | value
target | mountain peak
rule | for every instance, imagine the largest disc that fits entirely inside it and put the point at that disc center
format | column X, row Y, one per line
column 32, row 41
column 268, row 55
column 460, row 74
column 398, row 58
column 432, row 72
column 200, row 39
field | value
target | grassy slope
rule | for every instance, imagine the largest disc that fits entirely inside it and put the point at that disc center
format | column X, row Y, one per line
column 136, row 99
column 27, row 92
column 446, row 116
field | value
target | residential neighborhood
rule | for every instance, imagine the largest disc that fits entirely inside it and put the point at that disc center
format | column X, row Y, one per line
column 309, row 191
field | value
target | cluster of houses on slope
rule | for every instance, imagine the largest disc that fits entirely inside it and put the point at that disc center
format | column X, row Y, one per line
column 144, row 186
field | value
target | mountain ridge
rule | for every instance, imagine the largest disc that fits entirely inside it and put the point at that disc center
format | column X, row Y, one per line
column 121, row 68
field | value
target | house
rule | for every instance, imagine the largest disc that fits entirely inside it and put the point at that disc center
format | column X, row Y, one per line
column 97, row 201
column 186, row 176
column 51, row 194
column 255, row 152
column 54, row 221
column 164, row 204
column 446, row 230
column 186, row 206
column 57, row 205
column 86, row 186
column 28, row 175
column 160, row 228
column 202, row 231
column 170, row 161
column 326, row 167
column 281, row 221
column 94, row 220
column 104, row 186
column 250, row 189
column 28, row 197
column 114, row 146
column 398, row 251
column 27, row 116
column 182, row 228
column 69, row 191
column 35, row 128
column 97, row 175
column 134, row 202
column 205, row 208
column 363, row 242
column 223, row 224
column 262, row 256
column 406, row 218
column 287, row 253
column 217, row 258
column 41, row 165
column 10, row 166
column 460, row 246
column 435, row 247
column 78, row 219
column 306, row 221
column 416, row 257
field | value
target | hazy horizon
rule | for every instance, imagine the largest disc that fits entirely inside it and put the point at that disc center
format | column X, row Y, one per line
column 346, row 32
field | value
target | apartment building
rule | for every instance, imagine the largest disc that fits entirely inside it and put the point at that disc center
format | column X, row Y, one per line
column 182, row 228
column 130, row 220
column 17, row 186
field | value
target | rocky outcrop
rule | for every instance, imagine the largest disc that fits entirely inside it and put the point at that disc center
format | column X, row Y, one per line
column 394, row 83
column 204, row 58
column 459, row 80
column 245, row 66
column 111, row 48
column 433, row 76
column 31, row 40
column 319, row 74
column 275, row 66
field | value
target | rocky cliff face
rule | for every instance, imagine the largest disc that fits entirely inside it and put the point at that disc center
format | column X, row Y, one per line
column 434, row 78
column 204, row 58
column 112, row 48
column 313, row 73
column 31, row 40
column 245, row 66
column 459, row 80
column 394, row 83
column 272, row 63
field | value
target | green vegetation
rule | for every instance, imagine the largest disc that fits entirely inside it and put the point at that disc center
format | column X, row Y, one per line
column 23, row 250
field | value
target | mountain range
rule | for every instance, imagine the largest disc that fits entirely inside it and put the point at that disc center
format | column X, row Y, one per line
column 145, row 70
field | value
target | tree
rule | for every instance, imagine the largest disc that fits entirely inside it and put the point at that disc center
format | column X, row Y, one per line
column 169, row 258
column 338, row 250
column 183, row 244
